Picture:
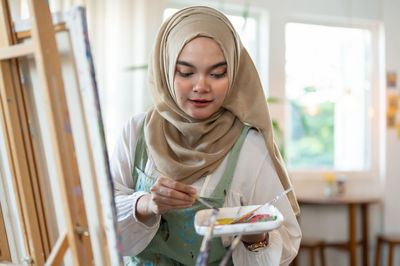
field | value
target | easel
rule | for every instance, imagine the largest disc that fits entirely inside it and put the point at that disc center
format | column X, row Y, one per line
column 4, row 250
column 18, row 139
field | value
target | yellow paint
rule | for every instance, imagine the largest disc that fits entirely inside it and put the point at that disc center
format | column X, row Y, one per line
column 225, row 221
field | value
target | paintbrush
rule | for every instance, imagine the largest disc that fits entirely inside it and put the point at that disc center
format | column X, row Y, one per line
column 228, row 254
column 197, row 197
column 205, row 248
column 249, row 214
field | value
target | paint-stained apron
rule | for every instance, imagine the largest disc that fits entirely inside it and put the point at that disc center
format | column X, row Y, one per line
column 176, row 242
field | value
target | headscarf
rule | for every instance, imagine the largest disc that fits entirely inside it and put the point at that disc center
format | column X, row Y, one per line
column 185, row 148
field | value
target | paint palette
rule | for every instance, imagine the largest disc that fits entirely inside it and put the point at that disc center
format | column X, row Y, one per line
column 201, row 221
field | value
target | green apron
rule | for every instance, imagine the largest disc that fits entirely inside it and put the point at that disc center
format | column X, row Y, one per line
column 176, row 242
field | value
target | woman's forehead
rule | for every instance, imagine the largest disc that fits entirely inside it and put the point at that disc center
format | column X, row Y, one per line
column 202, row 49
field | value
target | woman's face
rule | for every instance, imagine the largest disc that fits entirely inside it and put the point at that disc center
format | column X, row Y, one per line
column 201, row 79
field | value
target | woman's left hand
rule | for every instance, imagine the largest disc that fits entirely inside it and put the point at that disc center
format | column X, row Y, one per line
column 250, row 239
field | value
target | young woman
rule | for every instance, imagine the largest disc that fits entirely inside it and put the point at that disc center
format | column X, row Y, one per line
column 211, row 133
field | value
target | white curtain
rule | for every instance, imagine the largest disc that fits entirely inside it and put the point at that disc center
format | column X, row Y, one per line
column 121, row 35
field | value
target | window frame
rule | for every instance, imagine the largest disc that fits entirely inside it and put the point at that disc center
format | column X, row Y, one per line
column 376, row 140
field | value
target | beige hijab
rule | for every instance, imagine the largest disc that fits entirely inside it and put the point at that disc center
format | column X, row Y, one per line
column 185, row 148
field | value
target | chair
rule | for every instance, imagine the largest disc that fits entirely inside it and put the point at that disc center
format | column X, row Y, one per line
column 392, row 241
column 313, row 246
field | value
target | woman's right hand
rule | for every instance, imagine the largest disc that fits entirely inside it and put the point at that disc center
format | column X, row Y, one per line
column 166, row 194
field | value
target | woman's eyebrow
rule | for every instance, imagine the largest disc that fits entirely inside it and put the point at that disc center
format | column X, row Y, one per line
column 184, row 63
column 218, row 65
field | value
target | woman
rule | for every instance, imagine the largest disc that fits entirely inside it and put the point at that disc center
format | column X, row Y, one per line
column 211, row 133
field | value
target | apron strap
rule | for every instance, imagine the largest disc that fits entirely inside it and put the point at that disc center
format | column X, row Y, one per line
column 226, row 180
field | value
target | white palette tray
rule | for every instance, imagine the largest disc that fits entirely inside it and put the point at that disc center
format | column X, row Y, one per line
column 202, row 218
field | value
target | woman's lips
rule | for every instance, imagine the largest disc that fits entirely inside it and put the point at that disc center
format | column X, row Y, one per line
column 200, row 102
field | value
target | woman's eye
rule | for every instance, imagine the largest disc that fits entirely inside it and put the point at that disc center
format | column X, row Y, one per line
column 218, row 75
column 185, row 74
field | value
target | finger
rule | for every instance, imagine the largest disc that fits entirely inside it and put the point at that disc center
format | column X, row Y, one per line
column 174, row 194
column 180, row 207
column 169, row 201
column 177, row 186
column 177, row 207
column 170, row 193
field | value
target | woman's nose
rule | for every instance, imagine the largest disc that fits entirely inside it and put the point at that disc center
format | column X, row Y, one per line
column 201, row 85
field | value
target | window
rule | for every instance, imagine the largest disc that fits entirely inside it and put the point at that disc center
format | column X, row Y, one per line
column 328, row 87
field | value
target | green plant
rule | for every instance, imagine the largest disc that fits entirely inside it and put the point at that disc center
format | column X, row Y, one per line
column 277, row 130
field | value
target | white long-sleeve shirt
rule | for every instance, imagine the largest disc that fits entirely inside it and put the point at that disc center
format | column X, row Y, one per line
column 254, row 182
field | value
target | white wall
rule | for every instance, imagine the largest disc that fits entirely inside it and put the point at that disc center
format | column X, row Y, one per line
column 391, row 211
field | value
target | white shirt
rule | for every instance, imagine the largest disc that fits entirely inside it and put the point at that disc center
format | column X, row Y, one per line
column 255, row 181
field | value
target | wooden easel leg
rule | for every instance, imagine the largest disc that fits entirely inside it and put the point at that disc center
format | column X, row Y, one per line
column 57, row 254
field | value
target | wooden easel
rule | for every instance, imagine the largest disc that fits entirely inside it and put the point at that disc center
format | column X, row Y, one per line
column 4, row 250
column 18, row 139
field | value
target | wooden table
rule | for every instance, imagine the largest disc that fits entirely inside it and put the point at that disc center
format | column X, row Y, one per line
column 352, row 203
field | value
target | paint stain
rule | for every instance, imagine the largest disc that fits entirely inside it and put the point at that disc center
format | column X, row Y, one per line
column 190, row 214
column 225, row 192
column 67, row 127
column 31, row 130
column 120, row 248
column 158, row 258
column 191, row 254
column 77, row 191
column 190, row 240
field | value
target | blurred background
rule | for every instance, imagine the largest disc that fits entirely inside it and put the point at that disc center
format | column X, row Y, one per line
column 329, row 70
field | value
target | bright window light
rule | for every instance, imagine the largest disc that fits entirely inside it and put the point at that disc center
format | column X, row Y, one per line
column 328, row 84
